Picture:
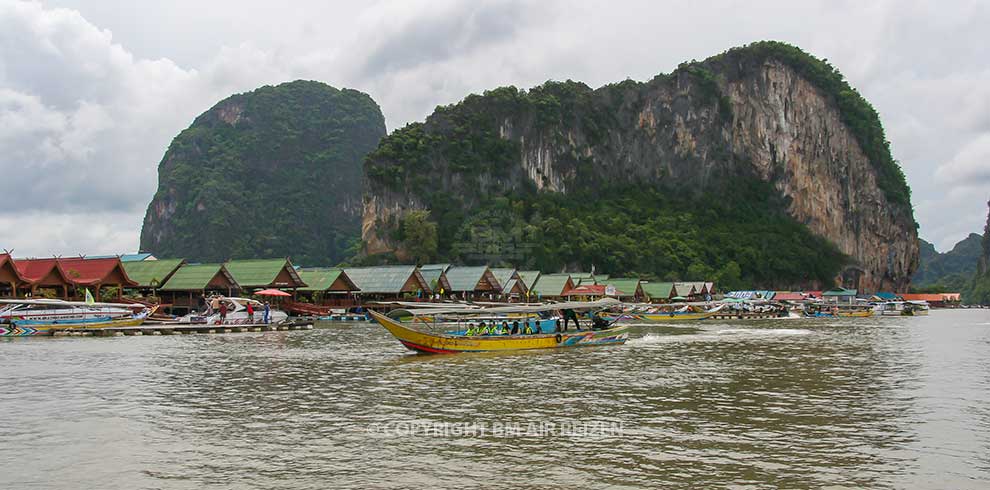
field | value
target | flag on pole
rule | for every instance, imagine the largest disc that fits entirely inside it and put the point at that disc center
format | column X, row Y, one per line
column 89, row 297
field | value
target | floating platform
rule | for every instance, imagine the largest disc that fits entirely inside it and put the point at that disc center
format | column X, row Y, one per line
column 344, row 318
column 177, row 329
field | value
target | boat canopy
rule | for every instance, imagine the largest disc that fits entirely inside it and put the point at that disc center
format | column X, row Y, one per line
column 59, row 302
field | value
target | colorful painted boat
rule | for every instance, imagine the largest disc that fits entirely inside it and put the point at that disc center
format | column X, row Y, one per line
column 31, row 328
column 450, row 343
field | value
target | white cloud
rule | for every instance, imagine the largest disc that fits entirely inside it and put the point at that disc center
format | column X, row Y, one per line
column 89, row 101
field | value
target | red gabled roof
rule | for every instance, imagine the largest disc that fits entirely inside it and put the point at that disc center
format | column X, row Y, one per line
column 590, row 290
column 787, row 296
column 88, row 272
column 34, row 270
column 923, row 297
column 7, row 261
column 79, row 271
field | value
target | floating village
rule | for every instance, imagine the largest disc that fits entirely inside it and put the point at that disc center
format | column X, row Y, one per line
column 434, row 308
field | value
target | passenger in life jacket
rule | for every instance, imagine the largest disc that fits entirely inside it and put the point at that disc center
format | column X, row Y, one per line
column 505, row 329
column 483, row 329
column 470, row 330
column 598, row 323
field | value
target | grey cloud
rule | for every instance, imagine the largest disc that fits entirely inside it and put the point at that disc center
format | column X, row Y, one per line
column 436, row 35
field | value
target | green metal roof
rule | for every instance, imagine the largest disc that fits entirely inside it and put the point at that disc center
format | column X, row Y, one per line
column 658, row 290
column 146, row 271
column 322, row 279
column 430, row 267
column 387, row 279
column 627, row 285
column 551, row 284
column 507, row 287
column 432, row 277
column 465, row 278
column 529, row 278
column 601, row 278
column 261, row 273
column 195, row 277
column 502, row 275
column 840, row 292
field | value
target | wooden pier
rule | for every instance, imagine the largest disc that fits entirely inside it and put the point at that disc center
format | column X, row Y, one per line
column 179, row 329
column 746, row 316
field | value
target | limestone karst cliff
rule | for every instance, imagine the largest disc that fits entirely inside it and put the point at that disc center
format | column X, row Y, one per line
column 765, row 113
column 268, row 173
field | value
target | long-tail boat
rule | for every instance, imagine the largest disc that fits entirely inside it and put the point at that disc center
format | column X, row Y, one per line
column 652, row 314
column 23, row 318
column 425, row 334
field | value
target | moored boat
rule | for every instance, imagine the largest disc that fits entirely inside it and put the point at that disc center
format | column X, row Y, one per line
column 21, row 318
column 237, row 314
column 663, row 314
column 818, row 310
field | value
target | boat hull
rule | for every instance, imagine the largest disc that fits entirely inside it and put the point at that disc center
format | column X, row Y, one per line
column 660, row 317
column 431, row 343
column 29, row 329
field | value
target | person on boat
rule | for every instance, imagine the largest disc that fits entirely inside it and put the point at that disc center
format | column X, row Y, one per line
column 214, row 305
column 483, row 329
column 573, row 316
column 223, row 311
column 470, row 330
column 267, row 314
column 515, row 328
column 557, row 326
column 250, row 312
column 505, row 328
column 532, row 328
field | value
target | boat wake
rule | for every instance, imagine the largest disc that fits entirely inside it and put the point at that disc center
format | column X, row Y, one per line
column 653, row 339
column 763, row 331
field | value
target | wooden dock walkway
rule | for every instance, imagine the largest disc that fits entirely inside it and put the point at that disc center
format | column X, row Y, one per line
column 179, row 329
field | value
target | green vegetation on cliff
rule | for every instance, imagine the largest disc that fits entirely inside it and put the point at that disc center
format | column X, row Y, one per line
column 273, row 172
column 739, row 235
column 978, row 291
column 949, row 271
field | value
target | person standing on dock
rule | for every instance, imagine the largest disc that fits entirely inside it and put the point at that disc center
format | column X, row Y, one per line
column 267, row 313
column 214, row 305
column 223, row 312
column 250, row 311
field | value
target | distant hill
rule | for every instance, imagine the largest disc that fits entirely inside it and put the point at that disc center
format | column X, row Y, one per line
column 951, row 269
column 268, row 173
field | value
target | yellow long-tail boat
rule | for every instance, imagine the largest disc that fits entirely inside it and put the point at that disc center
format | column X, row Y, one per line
column 417, row 337
column 663, row 317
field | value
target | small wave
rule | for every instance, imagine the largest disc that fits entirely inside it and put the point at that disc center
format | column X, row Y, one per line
column 764, row 331
column 650, row 339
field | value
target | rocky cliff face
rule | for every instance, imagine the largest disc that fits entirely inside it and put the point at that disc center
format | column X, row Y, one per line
column 269, row 173
column 767, row 111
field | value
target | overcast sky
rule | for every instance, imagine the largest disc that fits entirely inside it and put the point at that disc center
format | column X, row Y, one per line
column 92, row 92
